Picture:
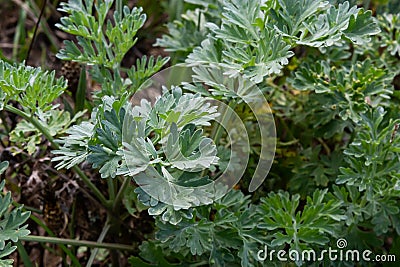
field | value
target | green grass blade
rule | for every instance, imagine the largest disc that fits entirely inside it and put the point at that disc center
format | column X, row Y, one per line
column 81, row 91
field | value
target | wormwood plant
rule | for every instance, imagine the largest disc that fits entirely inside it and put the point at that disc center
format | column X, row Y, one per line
column 11, row 224
column 329, row 71
column 337, row 90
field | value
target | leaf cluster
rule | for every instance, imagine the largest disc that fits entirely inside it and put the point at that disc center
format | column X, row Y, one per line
column 223, row 234
column 191, row 23
column 338, row 65
column 232, row 230
column 12, row 221
column 372, row 172
column 104, row 37
column 346, row 91
column 101, row 47
column 335, row 137
column 35, row 89
column 163, row 141
column 255, row 39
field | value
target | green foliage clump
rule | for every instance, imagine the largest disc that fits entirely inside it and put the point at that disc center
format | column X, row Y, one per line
column 329, row 71
column 103, row 43
column 12, row 221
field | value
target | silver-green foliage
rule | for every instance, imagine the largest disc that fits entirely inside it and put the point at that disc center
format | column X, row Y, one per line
column 103, row 39
column 343, row 86
column 373, row 170
column 137, row 141
column 192, row 23
column 163, row 146
column 12, row 221
column 390, row 24
column 102, row 47
column 255, row 38
column 346, row 87
column 35, row 90
column 237, row 229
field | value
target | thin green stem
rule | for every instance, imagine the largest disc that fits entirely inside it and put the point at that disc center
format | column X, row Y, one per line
column 19, row 32
column 199, row 21
column 201, row 263
column 109, row 51
column 120, row 193
column 24, row 255
column 26, row 208
column 35, row 31
column 33, row 10
column 35, row 123
column 218, row 128
column 92, row 187
column 50, row 138
column 47, row 229
column 99, row 240
column 5, row 124
column 111, row 188
column 325, row 145
column 73, row 242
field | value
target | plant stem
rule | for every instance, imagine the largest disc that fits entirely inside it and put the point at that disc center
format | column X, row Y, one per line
column 92, row 187
column 4, row 122
column 35, row 31
column 73, row 242
column 26, row 208
column 33, row 11
column 120, row 193
column 23, row 254
column 64, row 248
column 111, row 189
column 99, row 240
column 201, row 263
column 19, row 32
column 325, row 146
column 217, row 131
column 50, row 138
column 35, row 123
